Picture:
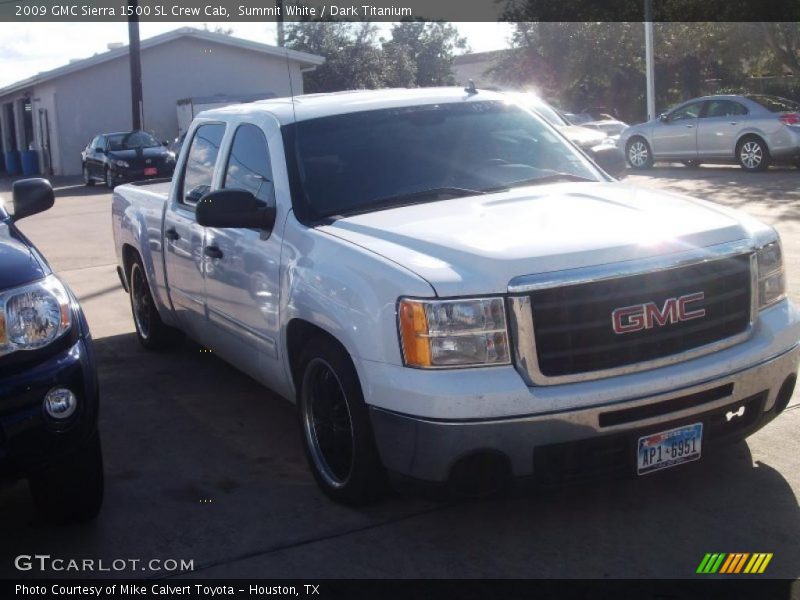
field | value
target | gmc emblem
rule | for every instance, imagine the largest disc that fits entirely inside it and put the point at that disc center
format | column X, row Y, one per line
column 646, row 316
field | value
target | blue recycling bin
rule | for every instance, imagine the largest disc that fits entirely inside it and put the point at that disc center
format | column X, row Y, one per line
column 30, row 163
column 13, row 166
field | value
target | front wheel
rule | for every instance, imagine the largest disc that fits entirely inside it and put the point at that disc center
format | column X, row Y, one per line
column 753, row 154
column 153, row 334
column 87, row 179
column 639, row 154
column 70, row 490
column 337, row 433
column 109, row 178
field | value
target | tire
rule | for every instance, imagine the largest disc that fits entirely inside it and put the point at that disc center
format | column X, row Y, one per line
column 87, row 181
column 753, row 154
column 153, row 334
column 70, row 490
column 691, row 164
column 638, row 153
column 337, row 432
column 109, row 179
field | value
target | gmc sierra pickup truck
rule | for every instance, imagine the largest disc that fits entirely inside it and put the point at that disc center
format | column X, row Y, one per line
column 453, row 293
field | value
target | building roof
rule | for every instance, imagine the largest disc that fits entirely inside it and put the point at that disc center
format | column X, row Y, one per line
column 305, row 59
column 312, row 106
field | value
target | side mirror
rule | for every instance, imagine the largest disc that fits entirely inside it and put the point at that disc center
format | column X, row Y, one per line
column 31, row 196
column 611, row 159
column 234, row 209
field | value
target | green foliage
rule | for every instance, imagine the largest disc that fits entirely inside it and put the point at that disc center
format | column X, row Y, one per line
column 419, row 53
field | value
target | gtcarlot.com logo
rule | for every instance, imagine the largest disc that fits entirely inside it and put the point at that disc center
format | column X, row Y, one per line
column 734, row 563
column 46, row 562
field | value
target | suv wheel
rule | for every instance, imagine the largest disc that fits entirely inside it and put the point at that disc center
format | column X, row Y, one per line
column 337, row 433
column 70, row 490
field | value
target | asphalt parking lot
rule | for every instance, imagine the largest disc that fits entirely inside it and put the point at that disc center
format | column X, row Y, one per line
column 204, row 464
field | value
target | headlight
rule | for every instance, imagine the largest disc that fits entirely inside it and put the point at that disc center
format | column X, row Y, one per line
column 771, row 277
column 453, row 333
column 120, row 163
column 170, row 157
column 34, row 315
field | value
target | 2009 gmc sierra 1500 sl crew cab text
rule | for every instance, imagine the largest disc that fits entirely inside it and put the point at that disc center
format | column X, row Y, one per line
column 452, row 292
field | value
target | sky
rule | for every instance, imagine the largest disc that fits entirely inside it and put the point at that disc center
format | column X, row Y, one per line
column 27, row 49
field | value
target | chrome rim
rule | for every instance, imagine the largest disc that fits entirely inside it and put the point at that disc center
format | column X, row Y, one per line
column 638, row 154
column 141, row 301
column 327, row 423
column 751, row 155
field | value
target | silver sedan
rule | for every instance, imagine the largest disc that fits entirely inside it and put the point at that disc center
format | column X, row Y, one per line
column 753, row 130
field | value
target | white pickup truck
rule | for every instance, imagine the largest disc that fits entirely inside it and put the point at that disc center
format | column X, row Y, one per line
column 452, row 293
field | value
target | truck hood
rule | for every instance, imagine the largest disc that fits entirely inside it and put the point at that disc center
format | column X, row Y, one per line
column 476, row 245
column 21, row 264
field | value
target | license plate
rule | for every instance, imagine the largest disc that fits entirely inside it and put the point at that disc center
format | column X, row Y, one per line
column 151, row 171
column 669, row 448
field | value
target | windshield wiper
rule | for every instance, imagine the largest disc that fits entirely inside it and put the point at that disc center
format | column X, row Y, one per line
column 419, row 197
column 549, row 178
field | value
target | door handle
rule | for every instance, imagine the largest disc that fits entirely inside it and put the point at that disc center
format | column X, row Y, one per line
column 689, row 126
column 212, row 251
column 734, row 122
column 171, row 234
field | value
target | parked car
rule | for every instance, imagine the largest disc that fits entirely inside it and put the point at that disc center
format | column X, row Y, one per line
column 753, row 130
column 452, row 293
column 48, row 379
column 594, row 141
column 114, row 158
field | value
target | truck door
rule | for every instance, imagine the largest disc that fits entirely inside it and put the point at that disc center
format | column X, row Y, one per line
column 242, row 273
column 183, row 237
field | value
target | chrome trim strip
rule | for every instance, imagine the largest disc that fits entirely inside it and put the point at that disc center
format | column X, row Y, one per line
column 523, row 340
column 530, row 283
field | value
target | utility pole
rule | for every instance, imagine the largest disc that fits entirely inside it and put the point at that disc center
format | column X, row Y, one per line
column 279, row 6
column 134, row 52
column 648, row 49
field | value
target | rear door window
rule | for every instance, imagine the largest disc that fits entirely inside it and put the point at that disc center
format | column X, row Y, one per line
column 724, row 108
column 199, row 168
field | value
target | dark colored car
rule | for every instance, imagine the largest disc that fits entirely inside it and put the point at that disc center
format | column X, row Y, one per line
column 48, row 379
column 114, row 158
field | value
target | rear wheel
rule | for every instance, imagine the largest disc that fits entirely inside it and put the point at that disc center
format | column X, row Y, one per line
column 87, row 180
column 639, row 154
column 150, row 329
column 337, row 433
column 70, row 490
column 753, row 154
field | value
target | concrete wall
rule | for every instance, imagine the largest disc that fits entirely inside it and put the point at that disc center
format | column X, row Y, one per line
column 97, row 99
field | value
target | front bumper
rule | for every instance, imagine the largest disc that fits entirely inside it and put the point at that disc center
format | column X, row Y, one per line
column 583, row 443
column 128, row 175
column 28, row 437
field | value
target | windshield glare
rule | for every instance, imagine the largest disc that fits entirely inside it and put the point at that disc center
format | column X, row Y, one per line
column 352, row 162
column 132, row 140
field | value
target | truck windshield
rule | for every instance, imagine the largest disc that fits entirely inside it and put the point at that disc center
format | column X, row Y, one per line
column 132, row 140
column 374, row 160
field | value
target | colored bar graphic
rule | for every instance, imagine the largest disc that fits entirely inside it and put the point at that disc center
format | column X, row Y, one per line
column 734, row 563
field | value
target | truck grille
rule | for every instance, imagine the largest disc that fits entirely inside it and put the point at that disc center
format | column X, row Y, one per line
column 573, row 324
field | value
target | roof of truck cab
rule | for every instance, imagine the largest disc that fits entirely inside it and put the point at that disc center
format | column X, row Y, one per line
column 312, row 106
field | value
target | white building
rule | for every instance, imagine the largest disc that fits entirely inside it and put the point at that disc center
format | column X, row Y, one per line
column 58, row 112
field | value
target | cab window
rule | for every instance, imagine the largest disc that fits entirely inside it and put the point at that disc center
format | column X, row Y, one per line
column 248, row 165
column 199, row 168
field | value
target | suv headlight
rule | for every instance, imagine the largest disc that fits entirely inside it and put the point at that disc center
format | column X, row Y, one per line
column 121, row 163
column 34, row 315
column 453, row 333
column 771, row 276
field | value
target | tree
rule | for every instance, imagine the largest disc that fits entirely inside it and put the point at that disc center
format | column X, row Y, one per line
column 429, row 46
